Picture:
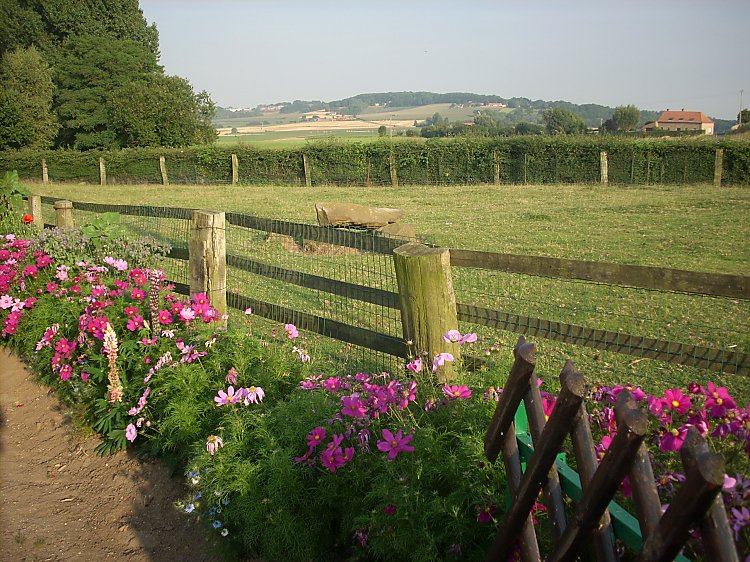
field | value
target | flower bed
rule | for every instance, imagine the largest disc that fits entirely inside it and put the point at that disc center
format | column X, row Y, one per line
column 284, row 461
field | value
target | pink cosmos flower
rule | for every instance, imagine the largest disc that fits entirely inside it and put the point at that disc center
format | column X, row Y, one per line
column 248, row 311
column 415, row 365
column 390, row 509
column 315, row 437
column 253, row 395
column 187, row 314
column 408, row 394
column 291, row 331
column 228, row 397
column 673, row 439
column 65, row 371
column 440, row 360
column 353, row 406
column 455, row 391
column 675, row 400
column 395, row 444
column 165, row 317
column 137, row 295
column 635, row 391
column 332, row 384
column 718, row 400
column 454, row 336
column 135, row 323
column 6, row 301
column 486, row 514
column 213, row 444
column 130, row 311
column 131, row 432
column 231, row 377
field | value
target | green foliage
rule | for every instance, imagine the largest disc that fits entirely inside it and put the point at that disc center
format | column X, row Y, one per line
column 15, row 130
column 382, row 131
column 559, row 121
column 12, row 193
column 624, row 118
column 25, row 75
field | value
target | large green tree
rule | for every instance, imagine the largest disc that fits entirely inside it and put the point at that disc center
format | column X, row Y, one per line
column 27, row 78
column 15, row 130
column 626, row 117
column 161, row 111
column 559, row 121
column 90, row 71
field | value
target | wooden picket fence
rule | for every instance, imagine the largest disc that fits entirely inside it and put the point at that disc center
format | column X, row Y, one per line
column 661, row 537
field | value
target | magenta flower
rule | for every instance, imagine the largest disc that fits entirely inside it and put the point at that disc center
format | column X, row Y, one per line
column 65, row 372
column 395, row 444
column 390, row 509
column 486, row 514
column 635, row 391
column 455, row 391
column 415, row 365
column 353, row 406
column 165, row 317
column 673, row 439
column 131, row 432
column 675, row 400
column 718, row 400
column 440, row 360
column 228, row 397
column 137, row 295
column 408, row 394
column 231, row 377
column 315, row 437
column 130, row 310
column 291, row 331
column 332, row 384
column 135, row 323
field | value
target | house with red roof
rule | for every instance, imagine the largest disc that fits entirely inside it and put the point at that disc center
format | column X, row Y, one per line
column 685, row 121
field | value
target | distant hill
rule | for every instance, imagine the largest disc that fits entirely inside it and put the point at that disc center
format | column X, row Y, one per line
column 522, row 109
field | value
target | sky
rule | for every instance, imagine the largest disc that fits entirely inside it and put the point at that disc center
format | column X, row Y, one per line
column 656, row 54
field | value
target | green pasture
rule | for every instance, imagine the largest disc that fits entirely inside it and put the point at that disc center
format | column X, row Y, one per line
column 698, row 228
column 422, row 112
column 297, row 139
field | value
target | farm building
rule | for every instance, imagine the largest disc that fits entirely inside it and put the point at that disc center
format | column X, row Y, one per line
column 682, row 121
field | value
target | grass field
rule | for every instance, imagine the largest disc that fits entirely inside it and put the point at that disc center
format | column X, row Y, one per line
column 698, row 228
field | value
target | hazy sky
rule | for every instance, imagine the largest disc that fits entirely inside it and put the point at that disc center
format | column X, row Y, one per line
column 655, row 54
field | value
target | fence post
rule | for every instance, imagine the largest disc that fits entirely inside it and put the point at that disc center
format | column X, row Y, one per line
column 163, row 170
column 208, row 257
column 604, row 167
column 34, row 206
column 235, row 169
column 45, row 175
column 496, row 163
column 392, row 166
column 306, row 167
column 428, row 303
column 102, row 172
column 718, row 167
column 64, row 214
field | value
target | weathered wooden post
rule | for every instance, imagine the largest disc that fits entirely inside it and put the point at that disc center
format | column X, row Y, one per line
column 604, row 167
column 235, row 169
column 428, row 303
column 102, row 172
column 496, row 164
column 208, row 257
column 718, row 166
column 45, row 174
column 34, row 206
column 64, row 214
column 394, row 172
column 163, row 170
column 306, row 168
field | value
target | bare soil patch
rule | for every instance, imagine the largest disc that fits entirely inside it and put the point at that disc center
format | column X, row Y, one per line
column 60, row 501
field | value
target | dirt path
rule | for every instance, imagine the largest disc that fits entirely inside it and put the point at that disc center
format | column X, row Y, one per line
column 60, row 501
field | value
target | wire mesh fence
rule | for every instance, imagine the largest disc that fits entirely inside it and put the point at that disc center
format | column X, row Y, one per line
column 291, row 266
column 340, row 282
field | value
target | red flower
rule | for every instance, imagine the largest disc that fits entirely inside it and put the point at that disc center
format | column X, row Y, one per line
column 27, row 219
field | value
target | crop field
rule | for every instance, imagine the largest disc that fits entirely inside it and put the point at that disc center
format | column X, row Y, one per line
column 699, row 228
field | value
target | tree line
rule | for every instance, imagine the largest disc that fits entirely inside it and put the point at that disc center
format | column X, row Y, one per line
column 85, row 74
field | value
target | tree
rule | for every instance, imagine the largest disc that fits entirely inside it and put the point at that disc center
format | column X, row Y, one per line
column 15, row 130
column 743, row 117
column 27, row 77
column 562, row 121
column 160, row 111
column 626, row 117
column 90, row 71
column 382, row 130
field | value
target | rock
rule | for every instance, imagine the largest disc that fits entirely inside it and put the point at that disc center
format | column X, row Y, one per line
column 399, row 230
column 350, row 214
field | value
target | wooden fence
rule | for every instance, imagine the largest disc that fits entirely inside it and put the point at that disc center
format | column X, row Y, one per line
column 661, row 537
column 650, row 278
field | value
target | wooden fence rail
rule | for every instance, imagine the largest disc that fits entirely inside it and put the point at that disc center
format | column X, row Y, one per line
column 662, row 536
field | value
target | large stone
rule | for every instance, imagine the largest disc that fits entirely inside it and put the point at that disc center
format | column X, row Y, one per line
column 350, row 214
column 399, row 230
